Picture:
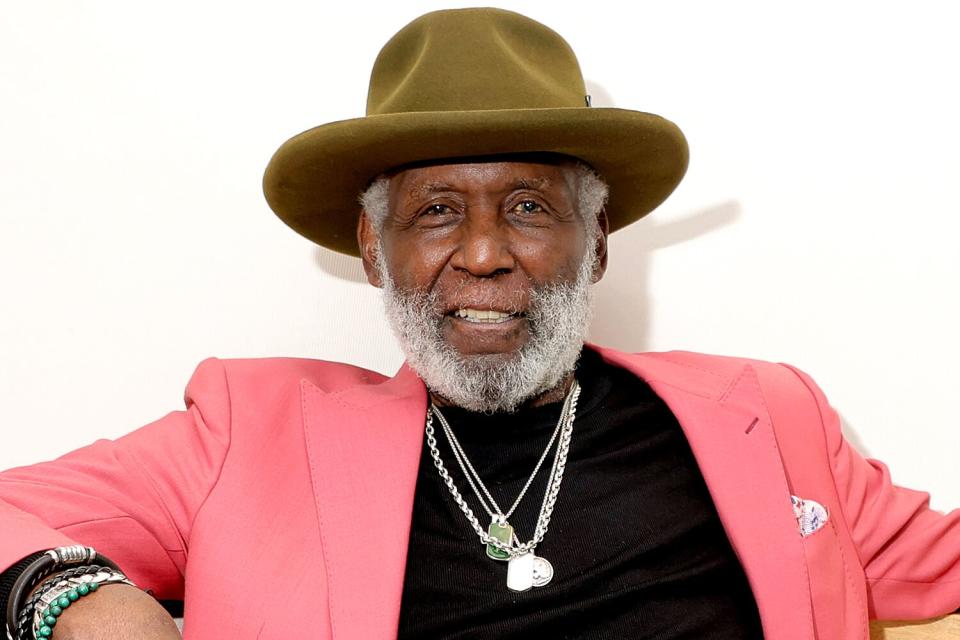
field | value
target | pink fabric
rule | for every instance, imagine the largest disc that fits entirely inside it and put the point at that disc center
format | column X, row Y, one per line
column 279, row 501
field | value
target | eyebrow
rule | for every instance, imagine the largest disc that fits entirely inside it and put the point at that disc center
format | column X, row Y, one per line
column 429, row 188
column 426, row 189
column 535, row 184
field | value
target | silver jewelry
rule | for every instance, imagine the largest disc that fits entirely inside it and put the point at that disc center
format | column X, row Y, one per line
column 74, row 554
column 525, row 569
column 100, row 578
column 542, row 572
column 472, row 474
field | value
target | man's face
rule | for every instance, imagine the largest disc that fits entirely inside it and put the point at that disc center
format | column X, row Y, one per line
column 477, row 250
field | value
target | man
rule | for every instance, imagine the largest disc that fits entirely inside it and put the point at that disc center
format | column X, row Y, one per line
column 508, row 481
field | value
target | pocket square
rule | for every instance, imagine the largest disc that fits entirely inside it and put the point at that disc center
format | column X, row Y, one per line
column 811, row 515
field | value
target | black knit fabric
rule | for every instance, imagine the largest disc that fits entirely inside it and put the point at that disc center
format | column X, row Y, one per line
column 635, row 541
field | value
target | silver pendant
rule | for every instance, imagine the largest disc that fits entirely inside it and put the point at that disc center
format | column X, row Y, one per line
column 520, row 572
column 526, row 570
column 542, row 572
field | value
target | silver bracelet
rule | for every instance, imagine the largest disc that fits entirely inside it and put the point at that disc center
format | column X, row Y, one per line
column 74, row 554
column 66, row 585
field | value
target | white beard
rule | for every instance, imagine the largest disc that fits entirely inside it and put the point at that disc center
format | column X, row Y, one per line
column 558, row 319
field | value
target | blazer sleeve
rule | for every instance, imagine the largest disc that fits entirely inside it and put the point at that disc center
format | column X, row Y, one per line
column 135, row 498
column 909, row 552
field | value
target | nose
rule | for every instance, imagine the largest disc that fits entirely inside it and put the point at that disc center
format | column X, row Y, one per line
column 484, row 247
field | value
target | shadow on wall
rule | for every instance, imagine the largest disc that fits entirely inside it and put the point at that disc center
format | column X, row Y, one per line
column 623, row 305
column 339, row 265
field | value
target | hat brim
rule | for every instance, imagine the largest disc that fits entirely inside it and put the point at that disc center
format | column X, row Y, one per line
column 313, row 180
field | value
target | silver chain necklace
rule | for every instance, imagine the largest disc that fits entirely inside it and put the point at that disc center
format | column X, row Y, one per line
column 525, row 569
column 472, row 474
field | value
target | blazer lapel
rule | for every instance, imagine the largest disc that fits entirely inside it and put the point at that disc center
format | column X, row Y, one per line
column 364, row 449
column 731, row 435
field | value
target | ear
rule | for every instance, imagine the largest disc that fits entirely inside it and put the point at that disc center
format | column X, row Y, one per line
column 368, row 240
column 601, row 265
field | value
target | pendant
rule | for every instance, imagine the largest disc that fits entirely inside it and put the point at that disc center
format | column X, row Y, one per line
column 527, row 570
column 503, row 533
column 520, row 572
column 542, row 572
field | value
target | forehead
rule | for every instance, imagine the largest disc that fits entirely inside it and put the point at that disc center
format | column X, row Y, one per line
column 491, row 175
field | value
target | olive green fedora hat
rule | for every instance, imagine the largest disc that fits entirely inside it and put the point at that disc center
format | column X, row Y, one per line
column 467, row 83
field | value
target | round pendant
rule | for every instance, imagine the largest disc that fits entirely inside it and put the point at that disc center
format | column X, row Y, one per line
column 542, row 572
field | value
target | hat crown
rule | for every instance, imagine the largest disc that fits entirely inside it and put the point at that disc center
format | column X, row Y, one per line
column 474, row 59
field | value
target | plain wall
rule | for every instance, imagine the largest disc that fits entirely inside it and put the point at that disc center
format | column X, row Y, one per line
column 817, row 224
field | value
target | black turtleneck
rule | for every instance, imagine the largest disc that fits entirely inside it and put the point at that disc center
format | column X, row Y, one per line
column 635, row 541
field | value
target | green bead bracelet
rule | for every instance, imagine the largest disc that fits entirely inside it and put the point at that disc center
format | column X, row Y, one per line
column 58, row 606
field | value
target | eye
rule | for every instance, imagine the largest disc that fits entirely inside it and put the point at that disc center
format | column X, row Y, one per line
column 436, row 210
column 528, row 206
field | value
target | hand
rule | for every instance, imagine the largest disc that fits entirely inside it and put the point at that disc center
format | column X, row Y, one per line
column 116, row 612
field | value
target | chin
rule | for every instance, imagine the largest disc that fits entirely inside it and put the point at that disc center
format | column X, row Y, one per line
column 489, row 357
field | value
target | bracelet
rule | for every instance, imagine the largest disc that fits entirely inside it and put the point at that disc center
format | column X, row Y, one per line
column 40, row 600
column 51, row 582
column 7, row 578
column 51, row 562
column 65, row 592
column 51, row 607
column 26, row 612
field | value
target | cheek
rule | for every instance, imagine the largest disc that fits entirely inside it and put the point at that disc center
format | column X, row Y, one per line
column 552, row 261
column 414, row 265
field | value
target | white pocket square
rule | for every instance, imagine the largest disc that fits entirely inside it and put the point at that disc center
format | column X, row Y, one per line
column 810, row 515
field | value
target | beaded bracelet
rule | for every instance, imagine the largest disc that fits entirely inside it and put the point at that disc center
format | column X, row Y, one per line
column 67, row 591
column 26, row 613
column 80, row 579
column 52, row 581
column 62, row 597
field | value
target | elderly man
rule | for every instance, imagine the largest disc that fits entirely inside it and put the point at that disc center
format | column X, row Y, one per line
column 508, row 481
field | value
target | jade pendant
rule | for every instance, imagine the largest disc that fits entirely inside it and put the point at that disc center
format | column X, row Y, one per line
column 503, row 533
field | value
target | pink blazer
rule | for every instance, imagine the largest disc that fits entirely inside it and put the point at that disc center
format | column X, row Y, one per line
column 279, row 501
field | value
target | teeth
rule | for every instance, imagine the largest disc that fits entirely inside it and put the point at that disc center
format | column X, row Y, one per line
column 483, row 315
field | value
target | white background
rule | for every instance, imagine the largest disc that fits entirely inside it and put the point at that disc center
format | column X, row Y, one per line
column 817, row 224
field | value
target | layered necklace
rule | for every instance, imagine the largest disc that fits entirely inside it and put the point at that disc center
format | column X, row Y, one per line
column 524, row 569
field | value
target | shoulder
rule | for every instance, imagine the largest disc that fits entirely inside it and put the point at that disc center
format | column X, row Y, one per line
column 270, row 377
column 781, row 375
column 716, row 375
column 724, row 365
column 721, row 366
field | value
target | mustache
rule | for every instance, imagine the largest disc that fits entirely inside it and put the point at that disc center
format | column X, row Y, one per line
column 472, row 294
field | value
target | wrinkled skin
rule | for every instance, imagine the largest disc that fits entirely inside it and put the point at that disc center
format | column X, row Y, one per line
column 482, row 235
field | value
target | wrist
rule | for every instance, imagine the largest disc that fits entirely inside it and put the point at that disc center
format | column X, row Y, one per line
column 50, row 583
